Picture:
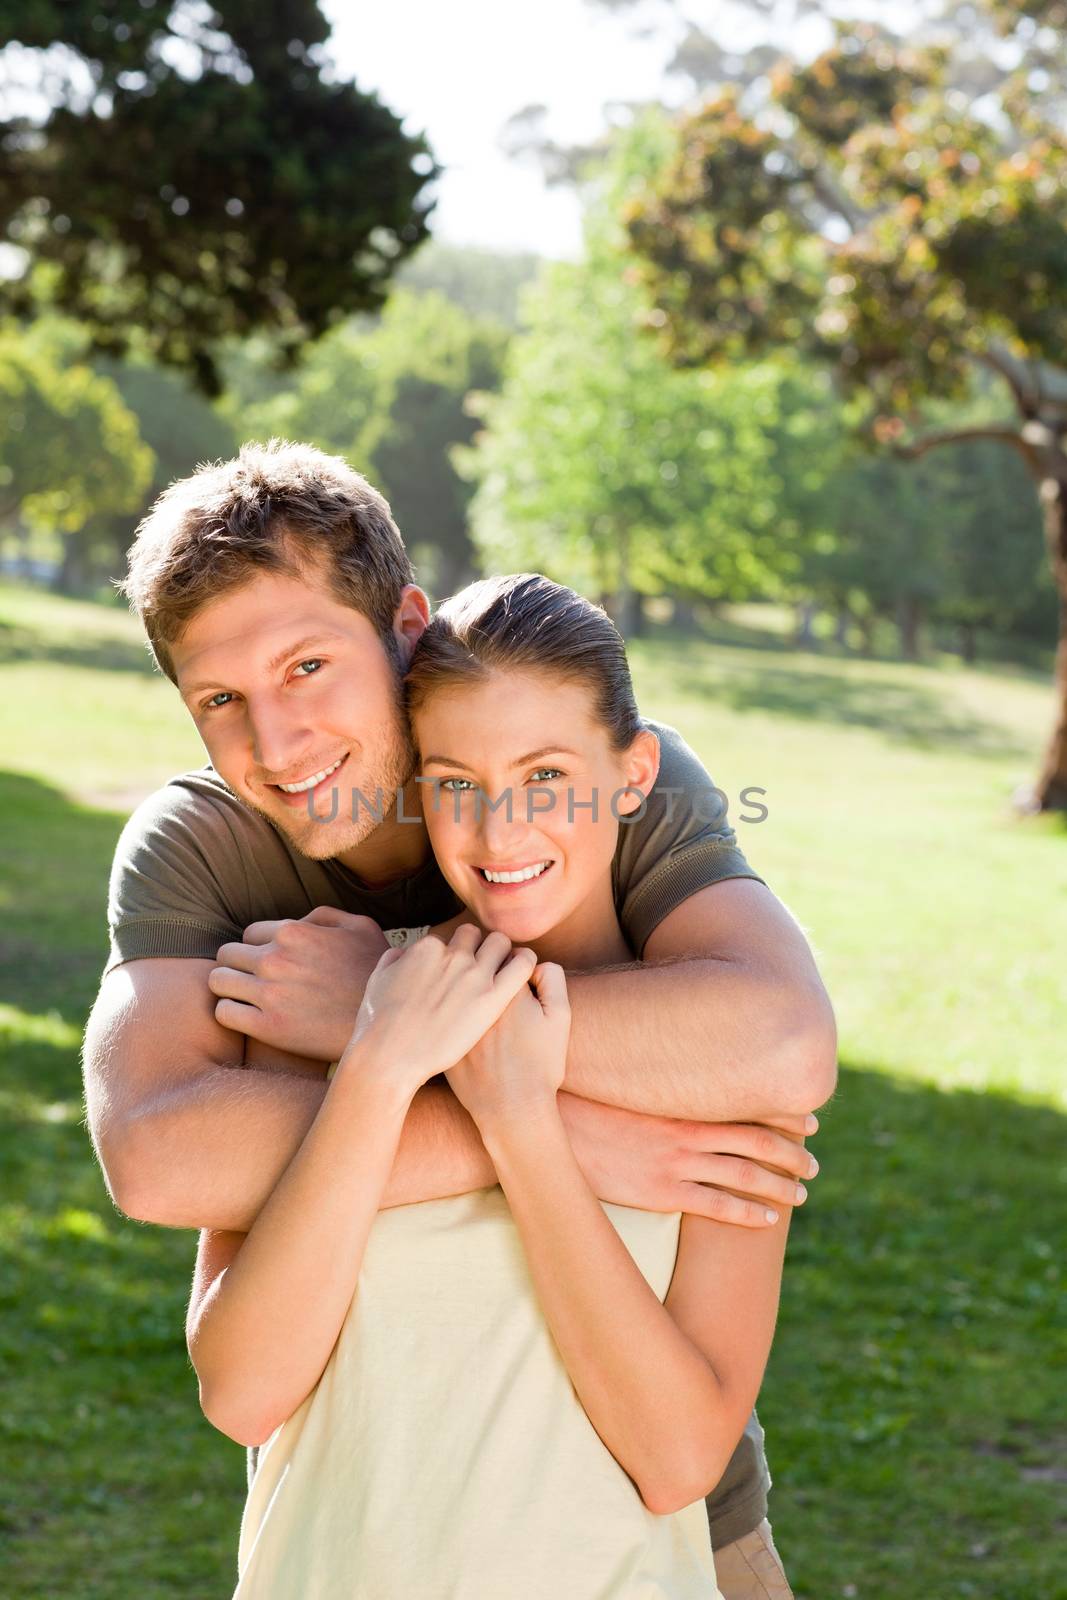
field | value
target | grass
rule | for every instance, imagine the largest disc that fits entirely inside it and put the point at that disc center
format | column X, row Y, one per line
column 913, row 1407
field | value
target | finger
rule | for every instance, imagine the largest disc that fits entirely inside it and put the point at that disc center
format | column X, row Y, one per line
column 747, row 1178
column 242, row 957
column 514, row 975
column 719, row 1206
column 389, row 958
column 797, row 1127
column 493, row 951
column 263, row 932
column 755, row 1142
column 328, row 917
column 241, row 1018
column 550, row 985
column 230, row 984
column 468, row 936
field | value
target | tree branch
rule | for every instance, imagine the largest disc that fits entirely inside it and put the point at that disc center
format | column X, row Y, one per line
column 999, row 433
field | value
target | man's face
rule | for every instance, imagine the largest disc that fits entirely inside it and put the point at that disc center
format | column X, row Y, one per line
column 295, row 697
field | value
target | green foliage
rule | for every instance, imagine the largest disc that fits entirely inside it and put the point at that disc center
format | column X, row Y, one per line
column 391, row 396
column 875, row 221
column 214, row 180
column 69, row 448
column 484, row 283
column 606, row 467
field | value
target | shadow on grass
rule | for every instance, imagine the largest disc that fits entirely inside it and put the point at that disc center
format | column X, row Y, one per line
column 905, row 712
column 909, row 1409
column 21, row 643
column 55, row 857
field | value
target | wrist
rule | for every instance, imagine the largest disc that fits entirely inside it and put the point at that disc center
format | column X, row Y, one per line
column 535, row 1126
column 364, row 1072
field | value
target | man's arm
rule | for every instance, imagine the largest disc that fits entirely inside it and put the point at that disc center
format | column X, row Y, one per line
column 735, row 1026
column 187, row 1141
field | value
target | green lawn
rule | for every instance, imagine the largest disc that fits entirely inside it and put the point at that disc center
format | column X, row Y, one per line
column 913, row 1407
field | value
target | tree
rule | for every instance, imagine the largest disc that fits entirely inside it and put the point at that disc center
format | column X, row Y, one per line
column 390, row 395
column 69, row 448
column 868, row 216
column 602, row 465
column 199, row 175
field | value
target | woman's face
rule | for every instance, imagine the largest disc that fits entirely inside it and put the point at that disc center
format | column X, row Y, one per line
column 525, row 784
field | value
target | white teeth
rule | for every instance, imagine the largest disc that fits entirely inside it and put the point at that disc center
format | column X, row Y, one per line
column 309, row 783
column 516, row 877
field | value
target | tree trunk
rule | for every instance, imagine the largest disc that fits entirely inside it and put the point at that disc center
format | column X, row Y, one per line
column 1050, row 790
column 805, row 634
column 968, row 639
column 841, row 627
column 866, row 623
column 72, row 574
column 909, row 616
column 683, row 615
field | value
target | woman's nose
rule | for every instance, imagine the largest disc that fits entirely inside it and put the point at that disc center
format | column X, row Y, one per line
column 502, row 822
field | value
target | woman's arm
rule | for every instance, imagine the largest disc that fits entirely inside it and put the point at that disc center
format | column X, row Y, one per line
column 668, row 1387
column 268, row 1306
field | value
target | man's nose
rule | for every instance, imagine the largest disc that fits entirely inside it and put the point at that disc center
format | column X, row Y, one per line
column 278, row 738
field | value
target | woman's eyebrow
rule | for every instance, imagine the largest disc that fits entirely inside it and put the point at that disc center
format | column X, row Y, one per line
column 520, row 761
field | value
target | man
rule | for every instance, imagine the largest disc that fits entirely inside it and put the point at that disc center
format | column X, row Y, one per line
column 248, row 898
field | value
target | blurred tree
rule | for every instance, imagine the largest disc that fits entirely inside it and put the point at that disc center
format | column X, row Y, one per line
column 70, row 449
column 194, row 171
column 392, row 396
column 484, row 283
column 868, row 216
column 603, row 466
column 180, row 428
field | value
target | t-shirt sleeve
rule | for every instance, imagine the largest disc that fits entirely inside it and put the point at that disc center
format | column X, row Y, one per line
column 683, row 842
column 175, row 879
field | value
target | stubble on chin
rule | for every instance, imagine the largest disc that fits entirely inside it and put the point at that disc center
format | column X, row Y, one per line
column 350, row 817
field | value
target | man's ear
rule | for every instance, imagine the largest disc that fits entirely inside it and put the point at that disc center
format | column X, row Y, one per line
column 410, row 619
column 641, row 764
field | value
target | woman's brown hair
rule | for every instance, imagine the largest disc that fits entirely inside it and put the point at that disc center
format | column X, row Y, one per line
column 528, row 621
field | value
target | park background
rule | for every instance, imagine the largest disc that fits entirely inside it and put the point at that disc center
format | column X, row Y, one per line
column 677, row 330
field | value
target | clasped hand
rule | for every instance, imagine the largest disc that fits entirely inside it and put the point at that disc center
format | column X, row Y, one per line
column 489, row 1017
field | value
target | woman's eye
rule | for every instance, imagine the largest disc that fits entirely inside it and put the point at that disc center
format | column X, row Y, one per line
column 314, row 664
column 546, row 774
column 452, row 785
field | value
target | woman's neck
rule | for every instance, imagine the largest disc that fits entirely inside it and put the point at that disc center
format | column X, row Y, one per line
column 590, row 936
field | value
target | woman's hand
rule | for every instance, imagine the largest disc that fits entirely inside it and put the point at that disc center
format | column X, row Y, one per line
column 518, row 1065
column 424, row 1007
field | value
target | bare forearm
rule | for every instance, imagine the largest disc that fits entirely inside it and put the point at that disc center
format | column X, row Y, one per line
column 705, row 1039
column 648, row 1391
column 263, row 1333
column 209, row 1153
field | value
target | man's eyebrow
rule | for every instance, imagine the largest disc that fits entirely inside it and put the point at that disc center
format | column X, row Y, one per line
column 274, row 663
column 520, row 761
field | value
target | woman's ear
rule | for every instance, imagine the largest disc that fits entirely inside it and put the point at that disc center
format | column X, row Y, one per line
column 410, row 619
column 641, row 765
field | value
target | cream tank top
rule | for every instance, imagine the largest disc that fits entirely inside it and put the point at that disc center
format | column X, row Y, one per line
column 444, row 1454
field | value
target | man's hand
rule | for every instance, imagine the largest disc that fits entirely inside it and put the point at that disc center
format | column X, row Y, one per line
column 297, row 985
column 734, row 1172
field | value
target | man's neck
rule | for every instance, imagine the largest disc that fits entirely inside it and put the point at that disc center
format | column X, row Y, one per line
column 397, row 848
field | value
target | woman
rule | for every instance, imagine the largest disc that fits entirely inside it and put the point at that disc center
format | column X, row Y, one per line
column 521, row 1392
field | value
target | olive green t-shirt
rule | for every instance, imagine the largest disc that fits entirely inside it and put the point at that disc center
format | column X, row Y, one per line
column 194, row 866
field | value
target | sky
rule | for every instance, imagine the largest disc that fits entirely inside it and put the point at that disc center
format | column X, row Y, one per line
column 456, row 70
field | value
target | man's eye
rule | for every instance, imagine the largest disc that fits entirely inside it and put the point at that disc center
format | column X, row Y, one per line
column 314, row 663
column 217, row 701
column 449, row 783
column 546, row 774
